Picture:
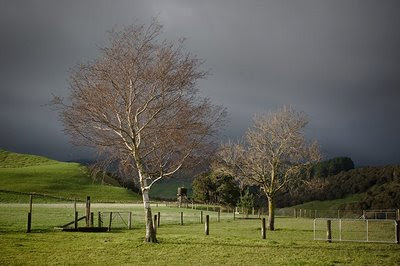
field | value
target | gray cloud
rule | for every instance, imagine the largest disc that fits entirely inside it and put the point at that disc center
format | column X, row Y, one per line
column 336, row 60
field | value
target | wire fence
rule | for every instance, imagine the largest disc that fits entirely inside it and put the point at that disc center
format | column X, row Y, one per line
column 356, row 230
column 382, row 214
column 48, row 216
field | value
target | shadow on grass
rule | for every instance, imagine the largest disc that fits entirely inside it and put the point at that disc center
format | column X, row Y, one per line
column 316, row 246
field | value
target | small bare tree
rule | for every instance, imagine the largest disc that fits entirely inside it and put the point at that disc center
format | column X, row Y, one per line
column 274, row 153
column 138, row 105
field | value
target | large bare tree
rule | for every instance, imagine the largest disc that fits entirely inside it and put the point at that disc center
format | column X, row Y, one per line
column 274, row 153
column 138, row 104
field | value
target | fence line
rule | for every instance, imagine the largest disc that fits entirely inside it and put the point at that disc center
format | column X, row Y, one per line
column 58, row 214
column 255, row 211
column 355, row 230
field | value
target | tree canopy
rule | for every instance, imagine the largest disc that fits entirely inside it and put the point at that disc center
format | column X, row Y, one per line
column 216, row 187
column 138, row 105
column 275, row 153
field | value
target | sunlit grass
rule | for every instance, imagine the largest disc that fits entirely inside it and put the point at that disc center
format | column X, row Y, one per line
column 28, row 173
column 330, row 204
column 229, row 243
column 16, row 160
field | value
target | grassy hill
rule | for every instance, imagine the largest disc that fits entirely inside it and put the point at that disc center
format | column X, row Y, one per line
column 17, row 160
column 335, row 204
column 21, row 174
column 378, row 186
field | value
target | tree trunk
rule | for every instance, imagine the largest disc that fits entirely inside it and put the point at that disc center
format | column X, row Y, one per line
column 150, row 232
column 271, row 213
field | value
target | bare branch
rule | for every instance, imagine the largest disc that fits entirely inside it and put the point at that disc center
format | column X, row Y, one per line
column 138, row 105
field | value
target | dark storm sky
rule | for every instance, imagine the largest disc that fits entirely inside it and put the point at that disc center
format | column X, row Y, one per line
column 338, row 61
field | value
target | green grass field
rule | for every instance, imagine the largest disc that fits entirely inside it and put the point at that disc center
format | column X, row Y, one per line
column 28, row 173
column 231, row 242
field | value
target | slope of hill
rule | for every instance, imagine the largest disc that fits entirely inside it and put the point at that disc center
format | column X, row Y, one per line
column 23, row 173
column 17, row 160
column 379, row 187
column 336, row 204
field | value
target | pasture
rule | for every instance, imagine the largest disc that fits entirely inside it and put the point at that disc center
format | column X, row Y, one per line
column 231, row 242
column 24, row 173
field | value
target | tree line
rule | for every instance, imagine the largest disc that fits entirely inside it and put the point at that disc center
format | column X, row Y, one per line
column 328, row 180
column 221, row 188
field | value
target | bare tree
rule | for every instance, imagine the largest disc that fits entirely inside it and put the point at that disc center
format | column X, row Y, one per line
column 274, row 153
column 138, row 105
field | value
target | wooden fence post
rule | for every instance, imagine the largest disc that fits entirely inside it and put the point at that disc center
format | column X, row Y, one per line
column 207, row 225
column 201, row 217
column 181, row 218
column 76, row 220
column 75, row 215
column 74, row 205
column 91, row 219
column 109, row 223
column 338, row 214
column 295, row 213
column 263, row 229
column 398, row 215
column 219, row 215
column 158, row 219
column 88, row 211
column 155, row 223
column 29, row 226
column 130, row 221
column 398, row 231
column 30, row 203
column 99, row 221
column 329, row 231
column 234, row 213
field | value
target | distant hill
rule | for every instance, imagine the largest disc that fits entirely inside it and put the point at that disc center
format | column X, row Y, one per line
column 335, row 204
column 376, row 187
column 21, row 174
column 380, row 184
